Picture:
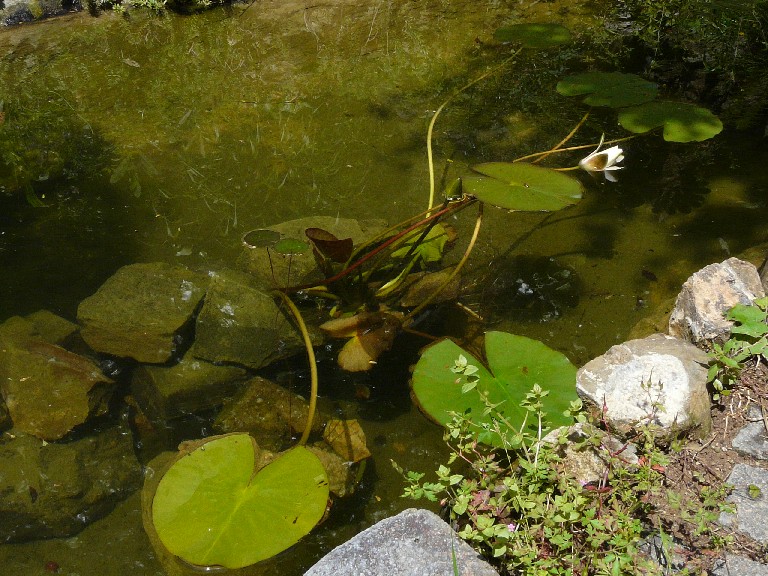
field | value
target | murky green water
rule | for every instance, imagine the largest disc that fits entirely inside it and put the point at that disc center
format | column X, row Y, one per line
column 167, row 138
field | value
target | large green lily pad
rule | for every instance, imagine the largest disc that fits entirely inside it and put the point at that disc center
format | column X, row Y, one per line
column 210, row 508
column 534, row 35
column 515, row 365
column 682, row 122
column 612, row 89
column 522, row 186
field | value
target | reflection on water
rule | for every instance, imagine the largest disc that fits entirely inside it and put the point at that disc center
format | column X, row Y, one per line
column 147, row 139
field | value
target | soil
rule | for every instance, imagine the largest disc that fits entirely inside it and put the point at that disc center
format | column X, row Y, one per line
column 703, row 465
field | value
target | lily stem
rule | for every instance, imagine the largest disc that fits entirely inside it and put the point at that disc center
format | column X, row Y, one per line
column 431, row 128
column 312, row 364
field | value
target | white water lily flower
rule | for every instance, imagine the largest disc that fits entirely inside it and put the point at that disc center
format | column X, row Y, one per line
column 603, row 161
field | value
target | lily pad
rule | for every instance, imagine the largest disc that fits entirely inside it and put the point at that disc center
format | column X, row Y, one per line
column 261, row 238
column 682, row 122
column 211, row 509
column 291, row 247
column 612, row 89
column 534, row 35
column 522, row 186
column 515, row 365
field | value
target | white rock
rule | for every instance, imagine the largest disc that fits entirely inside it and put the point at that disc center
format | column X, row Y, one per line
column 658, row 380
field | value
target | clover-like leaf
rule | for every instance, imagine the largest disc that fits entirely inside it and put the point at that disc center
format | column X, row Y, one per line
column 534, row 35
column 515, row 365
column 522, row 186
column 210, row 508
column 612, row 89
column 682, row 122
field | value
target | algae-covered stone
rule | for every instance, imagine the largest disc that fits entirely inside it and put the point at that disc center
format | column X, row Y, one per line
column 285, row 270
column 342, row 474
column 48, row 390
column 138, row 311
column 191, row 386
column 56, row 490
column 240, row 323
column 42, row 324
column 347, row 439
column 268, row 412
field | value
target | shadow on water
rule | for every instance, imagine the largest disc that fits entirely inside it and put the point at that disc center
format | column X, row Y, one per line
column 64, row 225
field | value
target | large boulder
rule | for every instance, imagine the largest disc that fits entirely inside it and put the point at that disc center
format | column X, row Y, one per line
column 413, row 543
column 240, row 323
column 659, row 380
column 189, row 387
column 268, row 412
column 41, row 324
column 50, row 490
column 16, row 331
column 49, row 390
column 138, row 312
column 699, row 313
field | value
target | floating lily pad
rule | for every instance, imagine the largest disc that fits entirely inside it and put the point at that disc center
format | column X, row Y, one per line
column 211, row 509
column 682, row 122
column 261, row 238
column 522, row 186
column 515, row 364
column 291, row 247
column 534, row 35
column 612, row 89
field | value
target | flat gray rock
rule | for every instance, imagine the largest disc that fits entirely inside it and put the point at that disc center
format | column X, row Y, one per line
column 750, row 494
column 739, row 566
column 752, row 439
column 413, row 543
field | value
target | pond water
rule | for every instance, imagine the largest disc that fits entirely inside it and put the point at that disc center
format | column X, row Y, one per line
column 146, row 138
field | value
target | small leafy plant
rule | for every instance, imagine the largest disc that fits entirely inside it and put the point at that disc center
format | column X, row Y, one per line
column 519, row 506
column 749, row 339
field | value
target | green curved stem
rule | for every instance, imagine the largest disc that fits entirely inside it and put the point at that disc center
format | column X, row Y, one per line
column 572, row 148
column 564, row 140
column 431, row 128
column 312, row 364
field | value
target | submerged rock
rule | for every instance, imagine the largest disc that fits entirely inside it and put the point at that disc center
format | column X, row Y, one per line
column 48, row 390
column 699, row 313
column 347, row 439
column 41, row 324
column 138, row 312
column 191, row 386
column 240, row 323
column 342, row 474
column 285, row 270
column 659, row 381
column 56, row 490
column 268, row 412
